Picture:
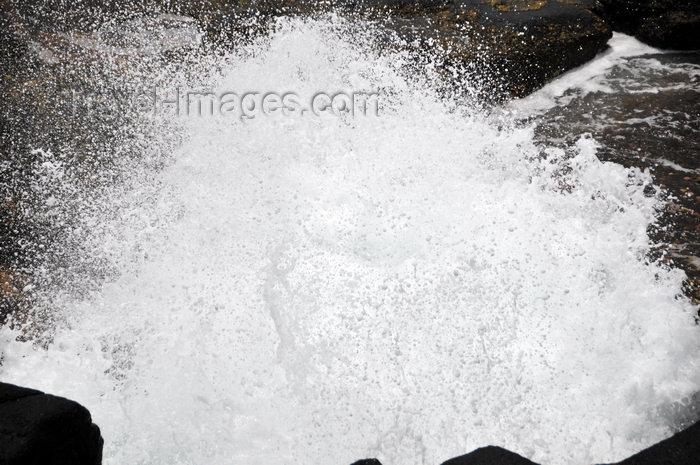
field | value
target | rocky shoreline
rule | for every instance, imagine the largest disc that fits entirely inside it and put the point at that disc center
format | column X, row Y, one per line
column 38, row 428
column 510, row 47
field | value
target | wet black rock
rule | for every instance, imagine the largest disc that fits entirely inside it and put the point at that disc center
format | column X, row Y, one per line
column 509, row 47
column 526, row 43
column 673, row 24
column 681, row 449
column 38, row 429
column 367, row 462
column 490, row 455
column 512, row 46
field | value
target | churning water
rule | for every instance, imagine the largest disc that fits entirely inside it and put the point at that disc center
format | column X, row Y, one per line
column 313, row 290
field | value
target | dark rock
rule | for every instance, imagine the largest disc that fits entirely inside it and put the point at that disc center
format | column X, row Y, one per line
column 10, row 392
column 527, row 43
column 509, row 47
column 513, row 46
column 367, row 462
column 41, row 429
column 671, row 24
column 680, row 449
column 490, row 455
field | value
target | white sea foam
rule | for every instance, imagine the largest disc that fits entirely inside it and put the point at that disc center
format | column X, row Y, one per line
column 587, row 78
column 410, row 287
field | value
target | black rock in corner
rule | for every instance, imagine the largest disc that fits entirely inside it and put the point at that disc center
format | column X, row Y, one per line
column 490, row 455
column 41, row 429
column 680, row 449
column 673, row 24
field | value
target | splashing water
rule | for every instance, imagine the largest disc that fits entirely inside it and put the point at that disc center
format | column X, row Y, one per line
column 410, row 286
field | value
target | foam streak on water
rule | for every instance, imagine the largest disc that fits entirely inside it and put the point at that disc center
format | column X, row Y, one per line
column 412, row 286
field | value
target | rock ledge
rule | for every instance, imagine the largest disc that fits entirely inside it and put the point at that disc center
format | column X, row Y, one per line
column 41, row 429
